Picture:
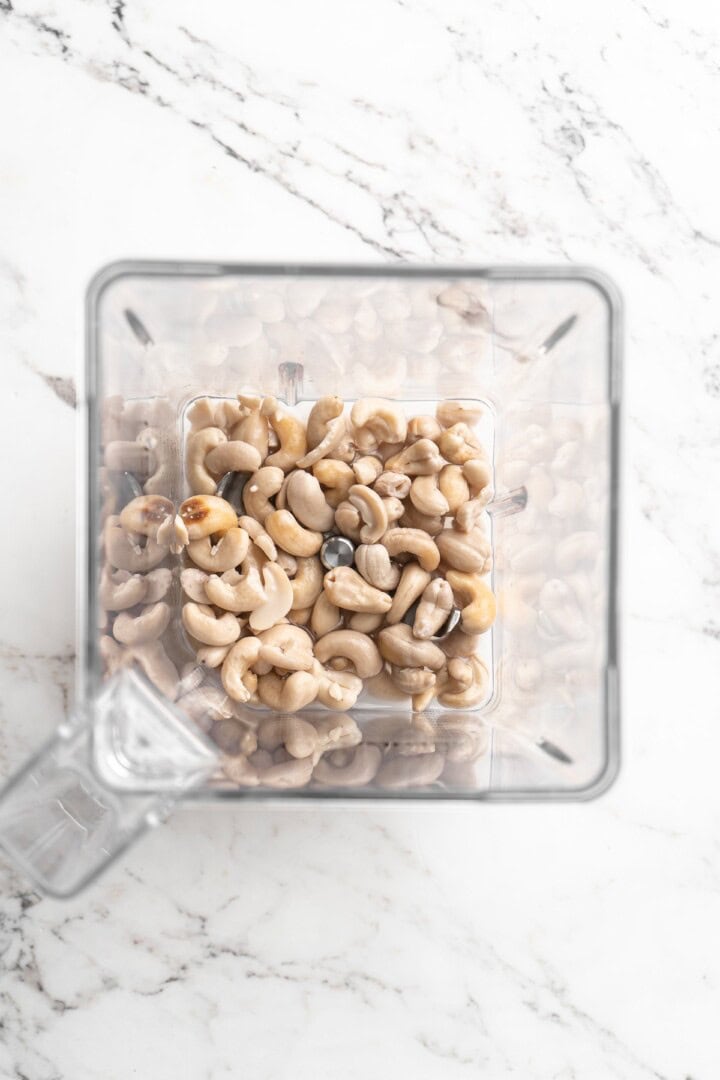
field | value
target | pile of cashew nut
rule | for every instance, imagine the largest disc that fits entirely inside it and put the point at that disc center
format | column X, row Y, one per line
column 283, row 632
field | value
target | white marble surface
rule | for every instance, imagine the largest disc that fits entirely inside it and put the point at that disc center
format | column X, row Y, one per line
column 500, row 941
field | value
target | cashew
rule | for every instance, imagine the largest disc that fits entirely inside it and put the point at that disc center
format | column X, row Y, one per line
column 358, row 771
column 468, row 551
column 479, row 613
column 157, row 666
column 372, row 511
column 458, row 643
column 262, row 540
column 259, row 489
column 204, row 515
column 252, row 428
column 467, row 685
column 336, row 477
column 358, row 648
column 412, row 680
column 450, row 413
column 157, row 583
column 278, row 598
column 373, row 562
column 300, row 616
column 423, row 427
column 454, row 487
column 288, row 562
column 203, row 413
column 205, row 626
column 228, row 553
column 306, row 500
column 149, row 625
column 432, row 612
column 123, row 554
column 197, row 449
column 212, row 656
column 346, row 589
column 145, row 514
column 470, row 512
column 394, row 484
column 299, row 737
column 326, row 616
column 307, row 584
column 478, row 473
column 413, row 519
column 345, row 449
column 419, row 459
column 413, row 581
column 418, row 543
column 235, row 592
column 365, row 622
column 417, row 770
column 348, row 521
column 337, row 690
column 291, row 536
column 427, row 497
column 193, row 584
column 173, row 533
column 239, row 682
column 235, row 456
column 422, row 699
column 326, row 428
column 377, row 421
column 119, row 589
column 459, row 444
column 367, row 470
column 398, row 645
column 121, row 456
column 287, row 647
column 290, row 432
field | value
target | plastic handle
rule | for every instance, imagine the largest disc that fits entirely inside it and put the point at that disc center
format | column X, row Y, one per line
column 105, row 777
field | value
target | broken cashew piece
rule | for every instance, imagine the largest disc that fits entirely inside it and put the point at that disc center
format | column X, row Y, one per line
column 479, row 613
column 347, row 589
column 306, row 500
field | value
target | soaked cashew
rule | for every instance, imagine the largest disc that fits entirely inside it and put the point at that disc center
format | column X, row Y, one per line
column 260, row 538
column 199, row 445
column 450, row 413
column 373, row 562
column 454, row 486
column 299, row 737
column 336, row 477
column 326, row 616
column 277, row 601
column 416, row 542
column 426, row 496
column 234, row 456
column 193, row 584
column 347, row 589
column 290, row 432
column 467, row 685
column 288, row 562
column 359, row 649
column 434, row 608
column 372, row 511
column 157, row 666
column 288, row 534
column 423, row 427
column 118, row 589
column 146, row 514
column 337, row 690
column 307, row 585
column 419, row 459
column 149, row 625
column 306, row 500
column 212, row 656
column 394, row 508
column 413, row 681
column 326, row 429
column 399, row 646
column 287, row 647
column 413, row 519
column 413, row 581
column 300, row 616
column 459, row 444
column 417, row 770
column 239, row 681
column 228, row 553
column 376, row 421
column 253, row 427
column 468, row 551
column 205, row 626
column 367, row 470
column 205, row 515
column 348, row 521
column 365, row 622
column 395, row 484
column 123, row 553
column 237, row 592
column 479, row 613
column 259, row 489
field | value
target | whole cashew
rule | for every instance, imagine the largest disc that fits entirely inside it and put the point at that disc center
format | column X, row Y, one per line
column 426, row 496
column 415, row 771
column 149, row 625
column 307, row 584
column 479, row 613
column 291, row 536
column 235, row 456
column 198, row 447
column 235, row 592
column 288, row 695
column 287, row 647
column 467, row 551
column 325, row 617
column 398, row 645
column 260, row 538
column 454, row 486
column 123, row 554
column 419, row 459
column 377, row 421
column 395, row 484
column 434, row 608
column 228, row 553
column 259, row 489
column 358, row 771
column 306, row 500
column 467, row 685
column 450, row 413
column 326, row 429
column 413, row 519
column 205, row 626
column 253, row 427
column 459, row 444
column 145, row 514
column 372, row 511
column 358, row 648
column 299, row 737
column 336, row 477
column 367, row 470
column 373, row 562
column 423, row 427
column 119, row 589
column 290, row 432
column 193, row 584
column 399, row 541
column 348, row 521
column 346, row 589
column 413, row 581
column 204, row 515
column 338, row 690
column 239, row 682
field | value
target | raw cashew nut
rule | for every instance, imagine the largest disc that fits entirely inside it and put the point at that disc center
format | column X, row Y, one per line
column 124, row 554
column 259, row 489
column 468, row 551
column 288, row 562
column 412, row 680
column 478, row 473
column 418, row 770
column 204, row 515
column 479, row 613
column 287, row 647
column 326, row 429
column 399, row 541
column 434, row 608
column 413, row 519
column 228, row 553
column 307, row 584
column 262, row 540
column 426, row 496
column 300, row 616
column 367, row 470
column 149, row 625
column 278, row 598
column 253, row 427
column 237, row 592
column 423, row 427
column 291, row 536
column 459, row 444
column 357, row 771
column 239, row 682
column 372, row 511
column 325, row 617
column 470, row 512
column 336, row 477
column 205, row 626
column 359, row 649
column 365, row 622
column 118, row 589
column 337, row 690
column 346, row 589
column 373, row 562
column 198, row 447
column 306, row 500
column 289, row 695
column 235, row 456
column 348, row 521
column 413, row 581
column 193, row 584
column 145, row 514
column 299, row 737
column 450, row 413
column 212, row 656
column 399, row 646
column 468, row 683
column 290, row 432
column 377, row 421
column 395, row 484
column 454, row 487
column 419, row 459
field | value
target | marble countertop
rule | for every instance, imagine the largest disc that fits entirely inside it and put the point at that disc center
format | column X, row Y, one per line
column 565, row 941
